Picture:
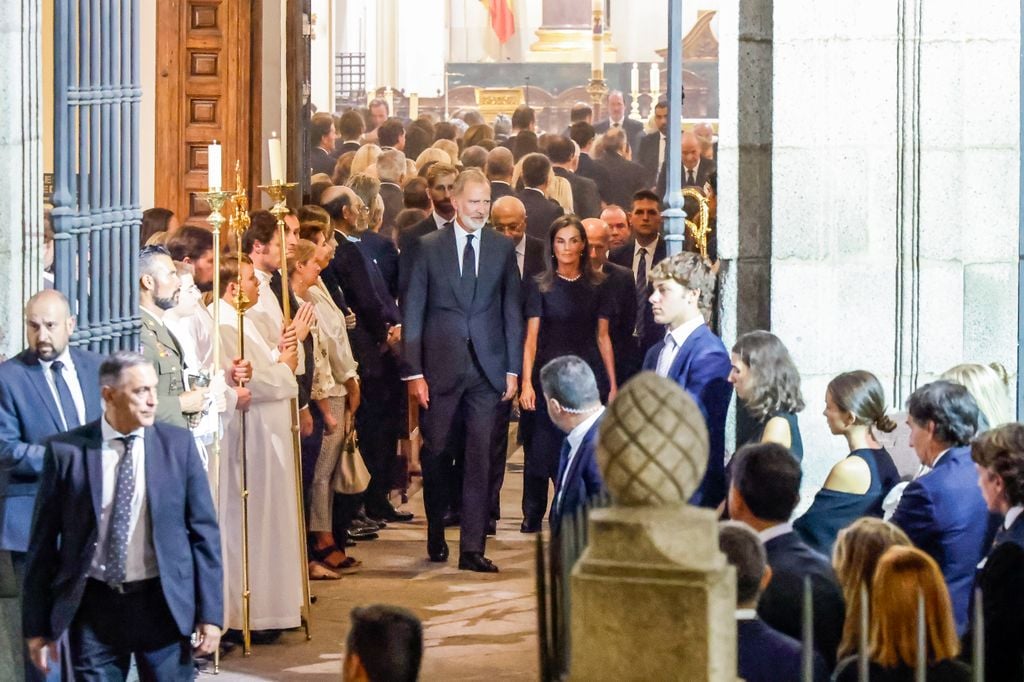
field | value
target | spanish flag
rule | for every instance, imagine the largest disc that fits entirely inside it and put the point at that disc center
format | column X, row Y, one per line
column 503, row 21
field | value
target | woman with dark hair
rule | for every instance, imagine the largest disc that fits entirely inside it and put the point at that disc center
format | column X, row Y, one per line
column 904, row 573
column 999, row 457
column 857, row 485
column 156, row 220
column 768, row 383
column 567, row 311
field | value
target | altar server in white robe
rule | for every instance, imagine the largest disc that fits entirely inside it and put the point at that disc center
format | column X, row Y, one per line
column 274, row 545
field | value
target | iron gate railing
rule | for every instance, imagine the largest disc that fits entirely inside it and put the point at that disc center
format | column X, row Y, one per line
column 96, row 213
column 349, row 80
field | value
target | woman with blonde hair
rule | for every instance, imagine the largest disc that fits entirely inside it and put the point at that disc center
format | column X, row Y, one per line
column 903, row 576
column 854, row 558
column 558, row 189
column 989, row 386
column 365, row 157
column 429, row 155
column 857, row 484
column 768, row 384
column 449, row 147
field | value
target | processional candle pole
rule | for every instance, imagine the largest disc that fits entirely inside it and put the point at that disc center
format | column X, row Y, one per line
column 598, row 86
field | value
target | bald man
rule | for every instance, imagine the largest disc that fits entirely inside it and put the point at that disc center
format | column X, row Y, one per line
column 46, row 389
column 508, row 217
column 619, row 231
column 696, row 168
column 619, row 285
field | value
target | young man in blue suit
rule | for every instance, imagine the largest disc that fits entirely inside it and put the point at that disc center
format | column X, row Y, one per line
column 575, row 407
column 692, row 356
column 943, row 511
column 46, row 389
column 125, row 550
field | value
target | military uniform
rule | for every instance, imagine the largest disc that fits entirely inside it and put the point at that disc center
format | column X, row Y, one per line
column 161, row 348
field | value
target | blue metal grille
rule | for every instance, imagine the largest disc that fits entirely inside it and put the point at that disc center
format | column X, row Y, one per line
column 96, row 213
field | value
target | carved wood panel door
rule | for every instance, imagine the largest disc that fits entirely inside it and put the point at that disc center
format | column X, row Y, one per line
column 206, row 56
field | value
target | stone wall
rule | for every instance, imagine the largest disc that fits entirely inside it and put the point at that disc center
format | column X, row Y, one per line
column 893, row 192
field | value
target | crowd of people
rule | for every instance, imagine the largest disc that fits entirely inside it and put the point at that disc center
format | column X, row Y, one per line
column 441, row 280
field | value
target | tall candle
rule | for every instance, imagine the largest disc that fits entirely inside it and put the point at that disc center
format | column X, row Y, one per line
column 634, row 78
column 655, row 80
column 276, row 159
column 598, row 5
column 597, row 56
column 213, row 157
column 414, row 106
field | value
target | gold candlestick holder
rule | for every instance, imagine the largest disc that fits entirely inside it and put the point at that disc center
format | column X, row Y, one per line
column 278, row 191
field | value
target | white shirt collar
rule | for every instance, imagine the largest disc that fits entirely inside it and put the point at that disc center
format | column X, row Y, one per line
column 1011, row 515
column 575, row 436
column 681, row 333
column 521, row 246
column 746, row 614
column 440, row 221
column 650, row 247
column 65, row 356
column 941, row 455
column 110, row 433
column 263, row 277
column 388, row 182
column 693, row 170
column 769, row 534
column 538, row 191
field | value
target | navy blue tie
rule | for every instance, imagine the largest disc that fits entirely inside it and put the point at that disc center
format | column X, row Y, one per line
column 641, row 291
column 115, row 566
column 563, row 466
column 67, row 403
column 469, row 266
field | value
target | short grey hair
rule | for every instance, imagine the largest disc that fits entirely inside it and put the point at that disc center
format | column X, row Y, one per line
column 391, row 165
column 114, row 365
column 570, row 381
column 148, row 257
column 743, row 550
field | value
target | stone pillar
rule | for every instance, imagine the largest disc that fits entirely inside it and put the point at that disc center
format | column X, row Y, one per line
column 21, row 209
column 652, row 596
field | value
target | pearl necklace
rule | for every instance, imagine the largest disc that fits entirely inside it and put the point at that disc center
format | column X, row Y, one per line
column 569, row 279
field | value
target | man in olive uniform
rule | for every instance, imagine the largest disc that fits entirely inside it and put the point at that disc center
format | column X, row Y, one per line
column 158, row 292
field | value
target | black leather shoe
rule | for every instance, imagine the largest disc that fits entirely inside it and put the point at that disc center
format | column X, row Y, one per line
column 452, row 518
column 530, row 527
column 386, row 512
column 437, row 547
column 476, row 561
column 362, row 536
column 492, row 527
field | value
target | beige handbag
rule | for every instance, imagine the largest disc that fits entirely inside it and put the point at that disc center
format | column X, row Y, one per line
column 351, row 476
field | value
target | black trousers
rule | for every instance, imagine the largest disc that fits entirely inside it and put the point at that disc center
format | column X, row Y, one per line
column 378, row 423
column 110, row 628
column 476, row 401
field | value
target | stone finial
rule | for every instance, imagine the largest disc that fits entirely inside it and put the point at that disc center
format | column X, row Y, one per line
column 653, row 445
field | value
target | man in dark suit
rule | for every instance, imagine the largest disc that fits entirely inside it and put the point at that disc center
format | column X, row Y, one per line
column 499, row 169
column 582, row 133
column 575, row 407
column 322, row 136
column 764, row 654
column 391, row 135
column 617, row 120
column 692, row 356
column 627, row 177
column 640, row 254
column 374, row 341
column 619, row 284
column 125, row 550
column 764, row 491
column 350, row 127
column 695, row 170
column 378, row 248
column 46, row 389
column 564, row 155
column 651, row 154
column 523, row 118
column 943, row 512
column 440, row 181
column 463, row 354
column 540, row 210
column 391, row 171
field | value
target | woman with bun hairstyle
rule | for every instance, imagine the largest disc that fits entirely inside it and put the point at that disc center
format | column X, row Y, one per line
column 857, row 484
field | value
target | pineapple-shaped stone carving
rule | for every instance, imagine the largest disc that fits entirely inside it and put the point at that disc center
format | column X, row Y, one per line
column 653, row 445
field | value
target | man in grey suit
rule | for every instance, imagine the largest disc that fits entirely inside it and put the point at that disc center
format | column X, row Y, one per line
column 463, row 336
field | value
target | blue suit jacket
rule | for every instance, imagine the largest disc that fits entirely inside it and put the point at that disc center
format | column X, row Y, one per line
column 28, row 416
column 945, row 515
column 701, row 368
column 582, row 482
column 766, row 655
column 184, row 529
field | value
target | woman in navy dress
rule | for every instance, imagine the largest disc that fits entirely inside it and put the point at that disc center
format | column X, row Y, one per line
column 567, row 311
column 857, row 485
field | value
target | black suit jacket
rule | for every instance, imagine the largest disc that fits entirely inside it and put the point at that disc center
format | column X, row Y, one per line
column 767, row 655
column 652, row 332
column 441, row 322
column 588, row 168
column 627, row 177
column 499, row 189
column 383, row 253
column 321, row 162
column 540, row 212
column 394, row 202
column 781, row 605
column 534, row 260
column 408, row 243
column 704, row 169
column 619, row 284
column 647, row 155
column 634, row 131
column 586, row 201
column 183, row 520
column 345, row 147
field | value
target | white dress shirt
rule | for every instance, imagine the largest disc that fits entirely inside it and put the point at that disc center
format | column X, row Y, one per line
column 674, row 340
column 520, row 256
column 460, row 244
column 441, row 221
column 778, row 531
column 1011, row 515
column 71, row 379
column 140, row 563
column 575, row 438
column 648, row 257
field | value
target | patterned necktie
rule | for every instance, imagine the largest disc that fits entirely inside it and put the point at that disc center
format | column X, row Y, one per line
column 641, row 290
column 469, row 266
column 120, row 517
column 67, row 403
column 689, row 178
